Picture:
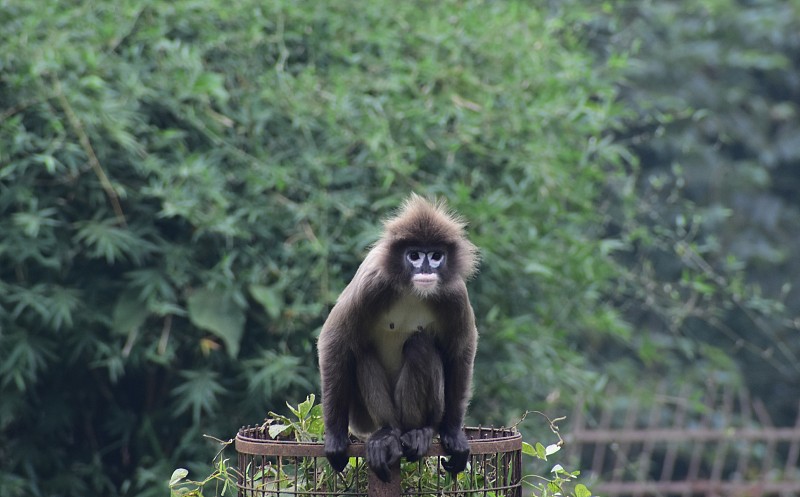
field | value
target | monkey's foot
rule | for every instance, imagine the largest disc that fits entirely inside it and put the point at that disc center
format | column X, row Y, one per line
column 336, row 451
column 415, row 443
column 456, row 444
column 383, row 452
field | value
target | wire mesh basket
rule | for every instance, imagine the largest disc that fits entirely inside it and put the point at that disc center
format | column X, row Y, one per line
column 269, row 467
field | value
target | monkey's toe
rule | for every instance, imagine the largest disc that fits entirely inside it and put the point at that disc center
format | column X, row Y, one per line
column 383, row 452
column 415, row 443
column 457, row 446
column 336, row 452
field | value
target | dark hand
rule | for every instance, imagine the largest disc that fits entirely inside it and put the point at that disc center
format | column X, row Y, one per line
column 455, row 443
column 383, row 452
column 415, row 443
column 336, row 451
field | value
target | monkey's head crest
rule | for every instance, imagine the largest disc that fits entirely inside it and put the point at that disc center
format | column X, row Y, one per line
column 429, row 223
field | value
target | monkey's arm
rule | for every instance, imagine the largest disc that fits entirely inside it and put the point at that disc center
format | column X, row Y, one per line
column 456, row 388
column 337, row 369
column 457, row 360
column 340, row 348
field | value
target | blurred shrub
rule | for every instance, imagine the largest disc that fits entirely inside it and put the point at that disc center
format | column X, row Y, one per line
column 714, row 89
column 185, row 187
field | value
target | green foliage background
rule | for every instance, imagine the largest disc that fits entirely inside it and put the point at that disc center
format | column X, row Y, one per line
column 186, row 186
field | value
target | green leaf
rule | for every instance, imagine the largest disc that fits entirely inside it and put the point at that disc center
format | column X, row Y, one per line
column 104, row 239
column 276, row 429
column 305, row 406
column 541, row 453
column 582, row 491
column 216, row 311
column 129, row 313
column 178, row 475
column 537, row 268
column 528, row 449
column 268, row 298
column 294, row 410
column 199, row 393
column 317, row 426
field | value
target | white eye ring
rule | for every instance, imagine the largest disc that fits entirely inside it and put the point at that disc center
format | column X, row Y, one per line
column 435, row 259
column 415, row 258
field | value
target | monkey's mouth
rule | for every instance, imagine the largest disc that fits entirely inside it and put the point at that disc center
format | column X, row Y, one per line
column 425, row 279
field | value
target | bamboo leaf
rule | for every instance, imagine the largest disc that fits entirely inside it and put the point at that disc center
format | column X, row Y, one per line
column 216, row 311
column 129, row 313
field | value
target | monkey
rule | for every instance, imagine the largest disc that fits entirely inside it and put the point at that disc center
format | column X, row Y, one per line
column 396, row 352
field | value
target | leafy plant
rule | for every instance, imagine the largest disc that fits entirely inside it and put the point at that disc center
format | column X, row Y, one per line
column 305, row 474
column 559, row 482
column 223, row 478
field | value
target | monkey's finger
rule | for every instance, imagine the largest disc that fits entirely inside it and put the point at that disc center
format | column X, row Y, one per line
column 380, row 466
column 338, row 461
column 456, row 464
column 383, row 451
column 415, row 443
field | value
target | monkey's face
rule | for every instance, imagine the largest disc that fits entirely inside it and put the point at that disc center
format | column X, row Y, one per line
column 425, row 264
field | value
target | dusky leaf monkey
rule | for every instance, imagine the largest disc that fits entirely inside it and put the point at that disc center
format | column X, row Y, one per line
column 397, row 349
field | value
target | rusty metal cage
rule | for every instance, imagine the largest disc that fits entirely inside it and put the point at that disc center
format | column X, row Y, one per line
column 269, row 467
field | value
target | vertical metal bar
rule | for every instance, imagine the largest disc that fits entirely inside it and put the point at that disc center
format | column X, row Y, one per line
column 438, row 476
column 240, row 477
column 653, row 421
column 672, row 448
column 419, row 475
column 746, row 415
column 518, row 472
column 598, row 459
column 262, row 469
column 621, row 454
column 474, row 470
column 280, row 476
column 316, row 475
column 500, row 472
column 377, row 488
column 769, row 453
column 359, row 469
column 722, row 445
column 296, row 468
column 697, row 446
column 793, row 454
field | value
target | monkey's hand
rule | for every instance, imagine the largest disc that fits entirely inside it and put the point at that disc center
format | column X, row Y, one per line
column 336, row 450
column 383, row 452
column 456, row 444
column 415, row 443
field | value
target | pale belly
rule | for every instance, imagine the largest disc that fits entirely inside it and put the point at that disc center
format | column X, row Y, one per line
column 407, row 316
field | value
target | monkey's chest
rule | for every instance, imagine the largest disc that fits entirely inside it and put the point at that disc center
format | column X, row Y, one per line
column 405, row 317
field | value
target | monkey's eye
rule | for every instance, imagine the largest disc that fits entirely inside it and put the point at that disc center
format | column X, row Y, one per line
column 436, row 258
column 415, row 258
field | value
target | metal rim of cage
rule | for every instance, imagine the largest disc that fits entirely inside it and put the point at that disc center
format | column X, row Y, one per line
column 495, row 467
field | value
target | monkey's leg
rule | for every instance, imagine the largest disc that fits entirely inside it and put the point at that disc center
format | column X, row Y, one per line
column 419, row 394
column 373, row 385
column 383, row 446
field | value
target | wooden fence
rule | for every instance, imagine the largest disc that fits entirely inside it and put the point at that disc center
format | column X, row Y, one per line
column 724, row 445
